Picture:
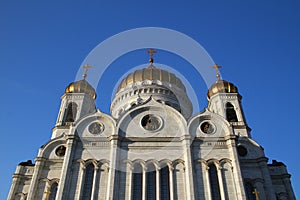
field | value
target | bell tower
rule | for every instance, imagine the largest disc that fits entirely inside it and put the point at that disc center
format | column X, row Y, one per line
column 76, row 102
column 225, row 100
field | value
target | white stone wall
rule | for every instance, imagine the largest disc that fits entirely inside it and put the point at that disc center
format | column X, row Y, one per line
column 177, row 143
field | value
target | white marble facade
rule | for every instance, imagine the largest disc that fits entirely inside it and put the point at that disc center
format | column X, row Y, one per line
column 151, row 148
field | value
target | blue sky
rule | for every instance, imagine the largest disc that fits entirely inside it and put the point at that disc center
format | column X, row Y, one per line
column 42, row 45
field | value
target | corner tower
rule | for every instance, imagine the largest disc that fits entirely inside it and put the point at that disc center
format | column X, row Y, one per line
column 225, row 100
column 77, row 101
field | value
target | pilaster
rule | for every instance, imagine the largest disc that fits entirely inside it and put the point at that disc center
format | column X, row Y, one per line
column 236, row 170
column 15, row 183
column 113, row 166
column 39, row 165
column 63, row 186
column 188, row 168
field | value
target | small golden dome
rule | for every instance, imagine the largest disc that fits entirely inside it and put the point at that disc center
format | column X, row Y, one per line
column 151, row 73
column 221, row 86
column 81, row 86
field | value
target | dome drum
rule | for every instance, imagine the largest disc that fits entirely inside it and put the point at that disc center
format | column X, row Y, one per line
column 135, row 95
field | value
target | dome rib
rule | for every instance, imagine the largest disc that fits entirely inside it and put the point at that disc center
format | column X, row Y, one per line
column 221, row 86
column 151, row 73
column 81, row 86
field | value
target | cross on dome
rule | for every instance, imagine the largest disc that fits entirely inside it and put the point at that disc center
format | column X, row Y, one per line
column 217, row 67
column 86, row 67
column 151, row 52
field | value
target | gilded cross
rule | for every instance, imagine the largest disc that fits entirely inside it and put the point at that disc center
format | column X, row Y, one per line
column 86, row 67
column 151, row 52
column 255, row 192
column 217, row 67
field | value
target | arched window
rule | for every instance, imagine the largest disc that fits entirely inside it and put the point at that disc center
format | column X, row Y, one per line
column 214, row 182
column 249, row 191
column 151, row 182
column 137, row 182
column 88, row 182
column 53, row 191
column 164, row 183
column 71, row 112
column 230, row 113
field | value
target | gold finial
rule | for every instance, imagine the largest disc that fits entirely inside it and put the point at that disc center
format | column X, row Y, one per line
column 255, row 192
column 86, row 67
column 217, row 67
column 151, row 52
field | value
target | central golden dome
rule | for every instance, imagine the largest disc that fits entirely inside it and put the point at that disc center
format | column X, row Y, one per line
column 151, row 73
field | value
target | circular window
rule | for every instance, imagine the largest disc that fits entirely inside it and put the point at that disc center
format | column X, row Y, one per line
column 60, row 151
column 242, row 151
column 207, row 128
column 151, row 122
column 96, row 128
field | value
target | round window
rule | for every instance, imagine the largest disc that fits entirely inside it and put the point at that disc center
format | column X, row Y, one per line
column 60, row 151
column 96, row 128
column 151, row 122
column 207, row 128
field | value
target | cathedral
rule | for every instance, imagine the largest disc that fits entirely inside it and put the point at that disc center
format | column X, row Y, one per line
column 150, row 147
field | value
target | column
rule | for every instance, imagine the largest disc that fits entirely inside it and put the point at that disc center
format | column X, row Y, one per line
column 130, row 171
column 158, row 184
column 81, row 179
column 94, row 182
column 171, row 183
column 206, row 177
column 144, row 187
column 39, row 164
column 221, row 185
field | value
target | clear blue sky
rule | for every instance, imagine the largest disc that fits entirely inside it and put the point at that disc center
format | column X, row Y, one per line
column 42, row 44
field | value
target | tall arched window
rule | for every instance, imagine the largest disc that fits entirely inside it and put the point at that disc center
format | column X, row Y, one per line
column 53, row 191
column 214, row 182
column 164, row 183
column 249, row 191
column 151, row 182
column 137, row 183
column 71, row 112
column 88, row 182
column 230, row 113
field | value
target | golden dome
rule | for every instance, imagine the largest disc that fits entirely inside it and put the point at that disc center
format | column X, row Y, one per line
column 151, row 73
column 81, row 86
column 221, row 86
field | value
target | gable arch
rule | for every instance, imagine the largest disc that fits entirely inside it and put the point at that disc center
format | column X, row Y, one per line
column 221, row 126
column 48, row 150
column 168, row 117
column 81, row 126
